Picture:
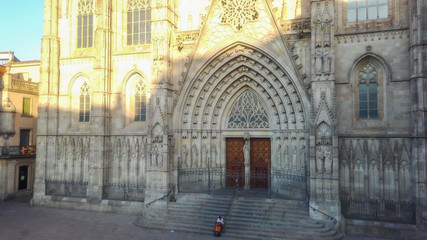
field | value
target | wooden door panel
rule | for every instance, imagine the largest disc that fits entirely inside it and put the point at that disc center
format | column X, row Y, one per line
column 260, row 159
column 235, row 162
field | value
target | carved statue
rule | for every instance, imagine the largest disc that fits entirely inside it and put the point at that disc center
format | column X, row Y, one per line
column 285, row 157
column 154, row 155
column 246, row 155
column 194, row 156
column 328, row 159
column 279, row 155
column 184, row 156
column 246, row 152
column 318, row 62
column 327, row 59
column 205, row 152
column 213, row 156
column 320, row 160
column 294, row 158
column 302, row 156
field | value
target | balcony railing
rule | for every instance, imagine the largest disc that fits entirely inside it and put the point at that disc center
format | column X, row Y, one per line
column 24, row 86
column 18, row 151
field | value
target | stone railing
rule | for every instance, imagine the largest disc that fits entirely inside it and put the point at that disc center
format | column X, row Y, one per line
column 24, row 86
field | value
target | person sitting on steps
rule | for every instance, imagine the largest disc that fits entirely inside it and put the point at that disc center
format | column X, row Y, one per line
column 221, row 221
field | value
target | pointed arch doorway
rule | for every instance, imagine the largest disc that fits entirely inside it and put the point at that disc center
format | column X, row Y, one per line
column 206, row 117
column 248, row 159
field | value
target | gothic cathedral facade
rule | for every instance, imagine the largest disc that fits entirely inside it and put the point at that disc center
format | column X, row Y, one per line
column 320, row 100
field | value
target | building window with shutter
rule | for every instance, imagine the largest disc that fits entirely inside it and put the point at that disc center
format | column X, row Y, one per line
column 26, row 108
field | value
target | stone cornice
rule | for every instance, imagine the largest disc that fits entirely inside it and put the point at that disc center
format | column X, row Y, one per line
column 371, row 36
column 187, row 37
column 296, row 26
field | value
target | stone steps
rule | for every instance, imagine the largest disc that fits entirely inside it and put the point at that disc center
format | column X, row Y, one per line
column 245, row 217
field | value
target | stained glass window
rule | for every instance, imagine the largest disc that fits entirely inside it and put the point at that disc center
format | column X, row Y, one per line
column 248, row 112
column 85, row 24
column 368, row 92
column 84, row 110
column 140, row 102
column 138, row 22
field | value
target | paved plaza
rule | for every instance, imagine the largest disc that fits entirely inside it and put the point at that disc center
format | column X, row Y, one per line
column 20, row 222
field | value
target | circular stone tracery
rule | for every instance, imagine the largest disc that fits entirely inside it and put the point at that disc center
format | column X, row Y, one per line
column 238, row 12
column 227, row 74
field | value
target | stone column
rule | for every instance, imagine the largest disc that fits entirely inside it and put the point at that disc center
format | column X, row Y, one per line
column 100, row 111
column 418, row 55
column 47, row 122
column 324, row 181
column 159, row 114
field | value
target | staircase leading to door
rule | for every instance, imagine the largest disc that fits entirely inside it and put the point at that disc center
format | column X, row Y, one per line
column 245, row 217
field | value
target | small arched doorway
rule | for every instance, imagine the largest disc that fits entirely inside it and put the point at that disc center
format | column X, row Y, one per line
column 23, row 178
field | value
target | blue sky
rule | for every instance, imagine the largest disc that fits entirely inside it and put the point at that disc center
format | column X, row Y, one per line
column 21, row 24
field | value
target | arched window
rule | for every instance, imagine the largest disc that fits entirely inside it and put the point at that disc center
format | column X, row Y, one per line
column 368, row 92
column 248, row 112
column 136, row 98
column 85, row 24
column 84, row 106
column 138, row 22
column 369, row 76
column 140, row 102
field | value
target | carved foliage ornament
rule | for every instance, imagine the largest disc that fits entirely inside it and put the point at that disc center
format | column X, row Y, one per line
column 238, row 12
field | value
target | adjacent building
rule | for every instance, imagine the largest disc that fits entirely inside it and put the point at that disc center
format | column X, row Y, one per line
column 18, row 124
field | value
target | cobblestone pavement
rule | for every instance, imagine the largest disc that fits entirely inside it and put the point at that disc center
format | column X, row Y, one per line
column 20, row 222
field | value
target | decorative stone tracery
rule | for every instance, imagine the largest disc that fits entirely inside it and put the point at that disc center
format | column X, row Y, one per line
column 85, row 7
column 237, row 13
column 248, row 112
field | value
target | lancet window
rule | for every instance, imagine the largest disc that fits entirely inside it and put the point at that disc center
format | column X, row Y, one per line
column 140, row 102
column 365, row 10
column 138, row 22
column 85, row 24
column 248, row 112
column 368, row 92
column 84, row 110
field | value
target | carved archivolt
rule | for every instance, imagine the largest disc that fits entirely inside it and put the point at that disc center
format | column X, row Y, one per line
column 234, row 71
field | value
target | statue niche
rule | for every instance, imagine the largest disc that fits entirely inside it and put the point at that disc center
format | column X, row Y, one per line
column 323, row 149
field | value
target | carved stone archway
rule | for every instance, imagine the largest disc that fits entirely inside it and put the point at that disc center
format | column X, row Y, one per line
column 203, row 110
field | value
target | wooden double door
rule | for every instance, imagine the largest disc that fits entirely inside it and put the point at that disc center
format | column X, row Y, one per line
column 260, row 155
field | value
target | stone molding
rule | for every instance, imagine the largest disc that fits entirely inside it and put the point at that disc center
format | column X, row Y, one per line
column 296, row 26
column 372, row 36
